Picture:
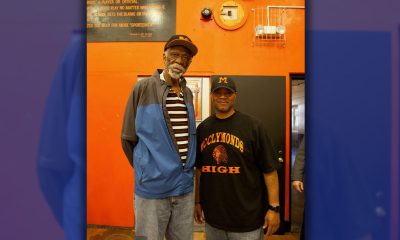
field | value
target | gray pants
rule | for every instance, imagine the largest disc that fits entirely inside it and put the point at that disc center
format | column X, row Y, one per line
column 171, row 217
column 213, row 233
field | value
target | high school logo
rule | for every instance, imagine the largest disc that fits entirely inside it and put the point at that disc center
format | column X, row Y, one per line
column 222, row 137
column 220, row 155
column 220, row 169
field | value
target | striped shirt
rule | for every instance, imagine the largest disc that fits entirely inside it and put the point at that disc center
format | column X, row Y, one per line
column 179, row 119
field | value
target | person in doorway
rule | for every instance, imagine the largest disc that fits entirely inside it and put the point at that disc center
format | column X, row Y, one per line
column 298, row 169
column 298, row 176
column 237, row 185
column 158, row 138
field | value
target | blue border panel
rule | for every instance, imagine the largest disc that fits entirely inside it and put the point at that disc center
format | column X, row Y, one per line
column 348, row 105
column 34, row 36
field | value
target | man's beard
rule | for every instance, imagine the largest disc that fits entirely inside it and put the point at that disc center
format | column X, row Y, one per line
column 176, row 71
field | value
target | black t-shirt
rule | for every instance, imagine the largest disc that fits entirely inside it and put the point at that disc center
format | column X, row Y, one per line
column 233, row 154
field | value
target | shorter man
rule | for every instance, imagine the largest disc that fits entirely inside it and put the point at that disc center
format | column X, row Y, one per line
column 236, row 178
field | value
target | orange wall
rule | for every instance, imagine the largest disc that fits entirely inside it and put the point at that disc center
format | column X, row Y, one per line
column 112, row 69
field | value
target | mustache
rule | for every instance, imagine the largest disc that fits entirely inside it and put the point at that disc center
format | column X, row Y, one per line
column 178, row 66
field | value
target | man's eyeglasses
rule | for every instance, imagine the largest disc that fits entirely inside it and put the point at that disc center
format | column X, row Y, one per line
column 223, row 94
column 175, row 56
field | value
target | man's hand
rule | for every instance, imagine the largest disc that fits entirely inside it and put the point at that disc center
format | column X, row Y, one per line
column 271, row 223
column 198, row 213
column 298, row 185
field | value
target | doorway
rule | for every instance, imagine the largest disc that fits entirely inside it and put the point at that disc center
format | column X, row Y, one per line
column 297, row 134
column 264, row 97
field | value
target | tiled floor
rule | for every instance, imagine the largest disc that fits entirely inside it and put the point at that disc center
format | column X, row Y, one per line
column 120, row 233
column 115, row 233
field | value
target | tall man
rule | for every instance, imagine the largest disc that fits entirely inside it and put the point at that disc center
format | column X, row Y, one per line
column 236, row 178
column 158, row 138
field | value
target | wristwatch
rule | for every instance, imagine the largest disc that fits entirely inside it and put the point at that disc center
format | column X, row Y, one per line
column 275, row 209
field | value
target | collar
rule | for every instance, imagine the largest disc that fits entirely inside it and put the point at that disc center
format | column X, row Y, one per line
column 162, row 76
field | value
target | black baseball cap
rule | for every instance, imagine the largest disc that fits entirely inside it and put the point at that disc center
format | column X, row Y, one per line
column 181, row 40
column 222, row 82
